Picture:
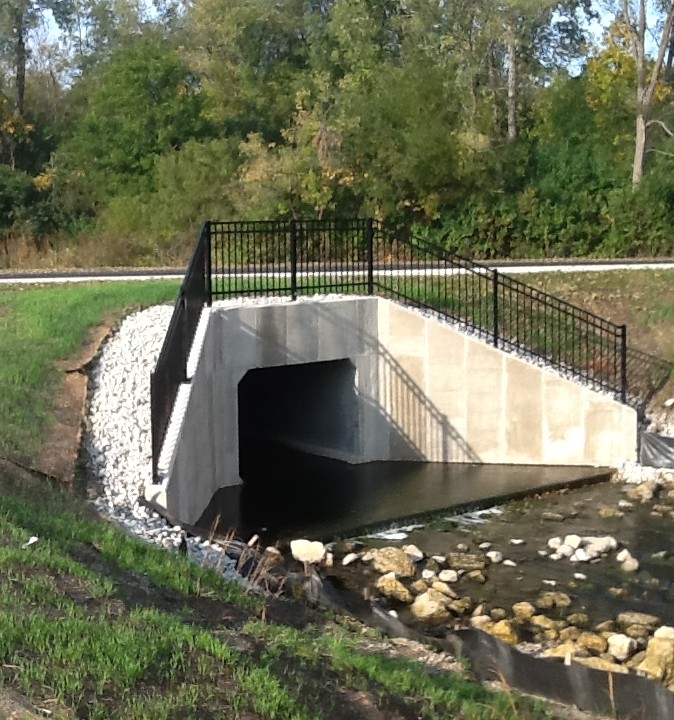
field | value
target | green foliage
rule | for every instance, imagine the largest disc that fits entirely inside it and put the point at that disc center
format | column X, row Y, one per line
column 141, row 103
column 17, row 193
column 261, row 109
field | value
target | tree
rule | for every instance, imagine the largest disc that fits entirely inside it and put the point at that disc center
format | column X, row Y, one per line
column 251, row 56
column 634, row 14
column 537, row 36
column 141, row 103
column 17, row 18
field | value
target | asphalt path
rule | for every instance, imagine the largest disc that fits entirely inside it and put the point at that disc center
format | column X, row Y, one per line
column 510, row 268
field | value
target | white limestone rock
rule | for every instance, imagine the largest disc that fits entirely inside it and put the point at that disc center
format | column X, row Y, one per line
column 666, row 631
column 311, row 552
column 631, row 564
column 573, row 541
column 621, row 647
column 413, row 551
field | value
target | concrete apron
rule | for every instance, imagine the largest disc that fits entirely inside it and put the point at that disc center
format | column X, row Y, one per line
column 386, row 384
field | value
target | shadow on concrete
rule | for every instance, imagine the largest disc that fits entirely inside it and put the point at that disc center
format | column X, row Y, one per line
column 417, row 431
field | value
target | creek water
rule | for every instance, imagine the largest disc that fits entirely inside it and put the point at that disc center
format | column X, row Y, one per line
column 287, row 493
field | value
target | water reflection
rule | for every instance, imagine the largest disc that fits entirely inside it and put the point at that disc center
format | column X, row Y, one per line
column 289, row 493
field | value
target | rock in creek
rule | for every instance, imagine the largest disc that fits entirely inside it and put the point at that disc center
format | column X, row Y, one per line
column 392, row 559
column 621, row 647
column 430, row 607
column 307, row 551
column 465, row 561
column 389, row 586
column 659, row 660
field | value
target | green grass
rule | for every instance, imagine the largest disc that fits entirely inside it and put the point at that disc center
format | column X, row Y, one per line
column 39, row 326
column 127, row 634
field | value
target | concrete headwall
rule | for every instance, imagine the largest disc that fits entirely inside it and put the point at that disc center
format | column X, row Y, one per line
column 418, row 389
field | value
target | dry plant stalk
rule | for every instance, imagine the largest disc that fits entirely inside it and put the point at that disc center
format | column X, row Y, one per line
column 507, row 689
column 611, row 694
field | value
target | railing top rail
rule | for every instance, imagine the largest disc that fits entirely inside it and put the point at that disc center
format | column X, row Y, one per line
column 518, row 285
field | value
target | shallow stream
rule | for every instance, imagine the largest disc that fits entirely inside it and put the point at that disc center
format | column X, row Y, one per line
column 288, row 494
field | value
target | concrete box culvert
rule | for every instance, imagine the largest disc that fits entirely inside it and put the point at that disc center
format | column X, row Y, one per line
column 399, row 386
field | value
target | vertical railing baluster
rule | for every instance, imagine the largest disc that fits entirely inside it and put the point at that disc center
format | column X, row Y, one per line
column 623, row 363
column 369, row 238
column 495, row 305
column 293, row 259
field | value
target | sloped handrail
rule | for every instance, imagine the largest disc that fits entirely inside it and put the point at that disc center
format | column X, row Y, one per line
column 304, row 257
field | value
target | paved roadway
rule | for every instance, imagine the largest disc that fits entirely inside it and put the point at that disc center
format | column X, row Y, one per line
column 511, row 268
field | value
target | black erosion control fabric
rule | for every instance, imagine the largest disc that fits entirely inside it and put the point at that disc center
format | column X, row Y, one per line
column 656, row 450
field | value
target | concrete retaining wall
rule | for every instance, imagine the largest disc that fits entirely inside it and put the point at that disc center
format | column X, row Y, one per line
column 419, row 390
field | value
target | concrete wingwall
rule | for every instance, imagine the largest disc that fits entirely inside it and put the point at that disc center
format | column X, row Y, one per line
column 418, row 389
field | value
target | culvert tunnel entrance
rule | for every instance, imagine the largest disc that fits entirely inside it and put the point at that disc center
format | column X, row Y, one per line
column 310, row 408
column 298, row 424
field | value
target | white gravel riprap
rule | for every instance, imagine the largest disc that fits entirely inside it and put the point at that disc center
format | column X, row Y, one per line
column 118, row 440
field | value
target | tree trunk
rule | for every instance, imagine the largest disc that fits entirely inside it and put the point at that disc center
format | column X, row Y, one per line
column 639, row 150
column 493, row 89
column 20, row 59
column 670, row 59
column 512, row 88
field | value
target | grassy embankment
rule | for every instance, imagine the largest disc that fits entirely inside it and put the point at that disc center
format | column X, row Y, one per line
column 94, row 624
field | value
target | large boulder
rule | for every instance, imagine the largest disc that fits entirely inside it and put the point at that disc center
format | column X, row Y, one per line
column 307, row 551
column 523, row 610
column 644, row 492
column 637, row 618
column 430, row 607
column 659, row 660
column 389, row 586
column 504, row 630
column 395, row 560
column 553, row 599
column 621, row 647
column 592, row 642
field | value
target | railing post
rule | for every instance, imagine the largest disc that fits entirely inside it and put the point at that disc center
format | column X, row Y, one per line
column 154, row 422
column 494, row 285
column 208, row 262
column 185, row 340
column 293, row 259
column 623, row 363
column 370, row 256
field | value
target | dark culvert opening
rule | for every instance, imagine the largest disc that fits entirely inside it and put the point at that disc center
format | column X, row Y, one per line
column 310, row 408
column 297, row 425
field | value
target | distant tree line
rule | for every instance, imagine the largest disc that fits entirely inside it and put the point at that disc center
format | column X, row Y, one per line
column 497, row 127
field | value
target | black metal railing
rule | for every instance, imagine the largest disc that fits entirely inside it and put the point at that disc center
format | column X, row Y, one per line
column 297, row 257
column 171, row 368
column 504, row 311
column 303, row 257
